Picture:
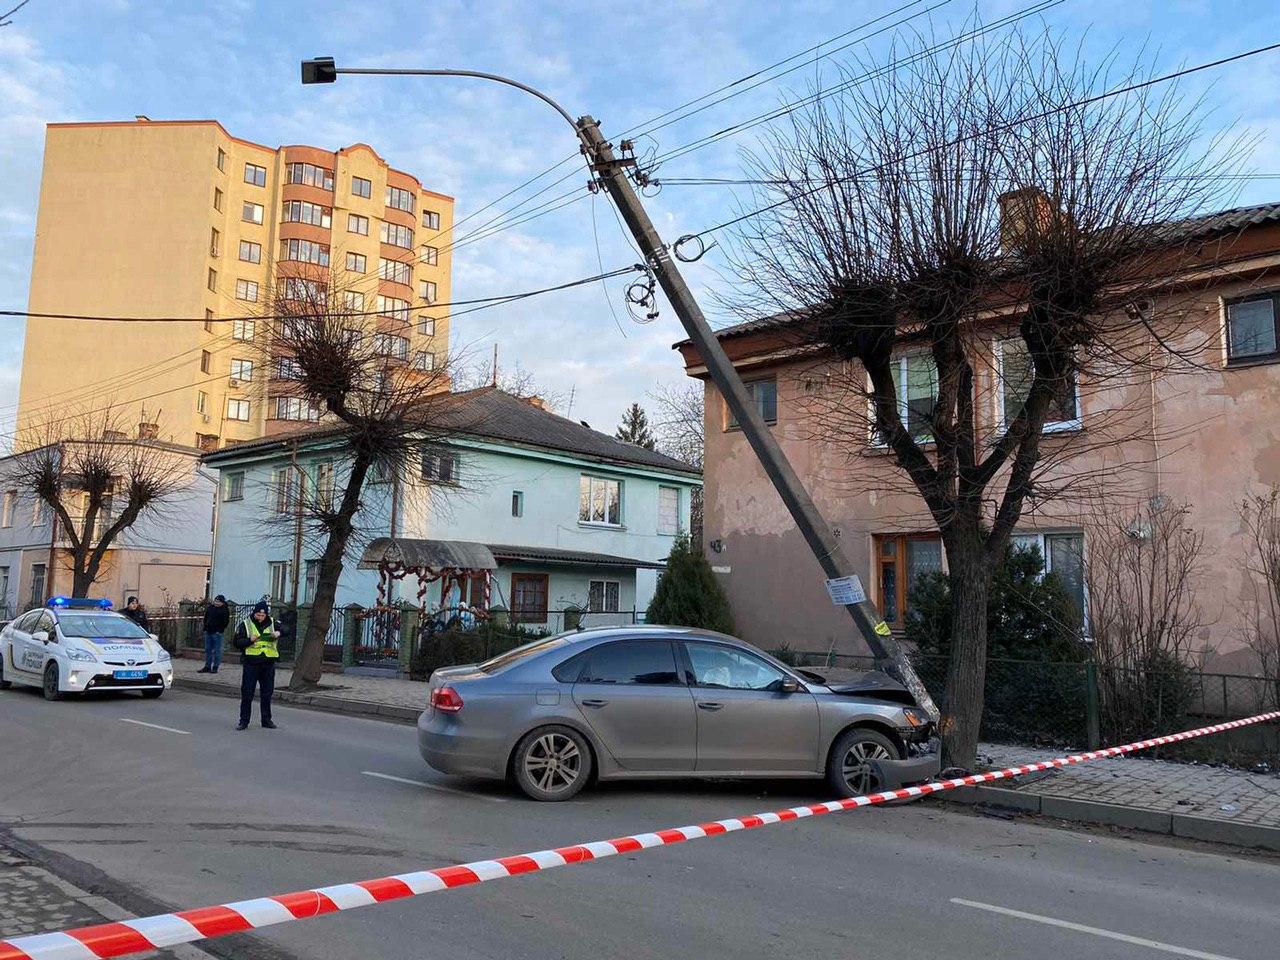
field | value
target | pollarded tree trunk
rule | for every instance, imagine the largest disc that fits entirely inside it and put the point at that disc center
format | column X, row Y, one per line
column 970, row 583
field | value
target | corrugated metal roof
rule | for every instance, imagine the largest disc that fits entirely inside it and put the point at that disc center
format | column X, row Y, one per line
column 505, row 553
column 432, row 554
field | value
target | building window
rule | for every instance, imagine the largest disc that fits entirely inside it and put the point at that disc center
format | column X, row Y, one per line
column 205, row 361
column 430, row 256
column 4, row 589
column 517, row 503
column 325, row 484
column 1253, row 330
column 362, row 187
column 391, row 346
column 600, row 501
column 222, row 160
column 37, row 584
column 217, row 199
column 424, row 361
column 10, row 508
column 242, row 370
column 427, row 290
column 306, row 251
column 900, row 561
column 602, row 596
column 247, row 290
column 212, row 283
column 353, row 301
column 282, row 489
column 394, row 308
column 764, row 394
column 356, row 262
column 529, row 593
column 439, row 466
column 251, row 212
column 400, row 199
column 238, row 410
column 288, row 368
column 395, row 271
column 255, row 175
column 396, row 235
column 309, row 174
column 668, row 511
column 215, row 243
column 202, row 402
column 357, row 224
column 295, row 408
column 250, row 252
column 300, row 211
column 208, row 320
column 1063, row 554
column 915, row 382
column 431, row 219
column 278, row 578
column 1015, row 372
column 427, row 326
column 313, row 580
column 40, row 513
column 304, row 290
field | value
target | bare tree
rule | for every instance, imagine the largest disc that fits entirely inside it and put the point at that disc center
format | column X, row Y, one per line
column 1260, row 518
column 384, row 414
column 97, row 481
column 517, row 380
column 986, row 190
column 680, row 425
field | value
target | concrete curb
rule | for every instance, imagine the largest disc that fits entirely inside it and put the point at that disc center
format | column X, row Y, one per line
column 312, row 701
column 1110, row 814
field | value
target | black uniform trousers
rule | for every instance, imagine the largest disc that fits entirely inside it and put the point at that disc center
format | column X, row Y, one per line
column 257, row 672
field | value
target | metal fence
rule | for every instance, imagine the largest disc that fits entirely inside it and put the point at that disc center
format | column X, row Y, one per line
column 1078, row 705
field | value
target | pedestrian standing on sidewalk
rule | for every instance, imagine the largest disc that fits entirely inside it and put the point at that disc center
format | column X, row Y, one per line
column 216, row 617
column 133, row 610
column 256, row 638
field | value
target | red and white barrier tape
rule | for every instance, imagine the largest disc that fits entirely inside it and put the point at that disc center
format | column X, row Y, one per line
column 187, row 926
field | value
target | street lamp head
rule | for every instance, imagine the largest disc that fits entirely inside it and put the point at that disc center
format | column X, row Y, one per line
column 319, row 70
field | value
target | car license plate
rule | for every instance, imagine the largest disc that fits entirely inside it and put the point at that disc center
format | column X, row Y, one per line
column 130, row 674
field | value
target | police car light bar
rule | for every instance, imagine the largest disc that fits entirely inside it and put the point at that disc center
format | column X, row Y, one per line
column 79, row 603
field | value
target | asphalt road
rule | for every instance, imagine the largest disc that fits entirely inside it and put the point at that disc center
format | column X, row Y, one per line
column 199, row 814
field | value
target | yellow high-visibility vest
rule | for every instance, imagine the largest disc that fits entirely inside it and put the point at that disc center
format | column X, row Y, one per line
column 260, row 645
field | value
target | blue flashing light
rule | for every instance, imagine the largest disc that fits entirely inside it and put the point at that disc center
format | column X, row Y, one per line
column 79, row 603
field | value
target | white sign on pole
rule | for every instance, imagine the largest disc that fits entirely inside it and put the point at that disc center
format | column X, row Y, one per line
column 846, row 590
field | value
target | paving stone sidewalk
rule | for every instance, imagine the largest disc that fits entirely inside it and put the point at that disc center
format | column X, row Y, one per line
column 1218, row 793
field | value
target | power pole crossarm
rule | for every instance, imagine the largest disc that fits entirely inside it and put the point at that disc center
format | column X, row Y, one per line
column 821, row 539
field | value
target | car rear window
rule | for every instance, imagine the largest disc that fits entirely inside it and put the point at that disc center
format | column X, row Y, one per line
column 504, row 660
column 632, row 662
column 100, row 626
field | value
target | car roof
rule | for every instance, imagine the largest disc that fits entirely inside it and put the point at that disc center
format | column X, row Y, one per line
column 648, row 631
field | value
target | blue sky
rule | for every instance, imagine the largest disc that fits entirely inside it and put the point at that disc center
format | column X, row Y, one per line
column 237, row 61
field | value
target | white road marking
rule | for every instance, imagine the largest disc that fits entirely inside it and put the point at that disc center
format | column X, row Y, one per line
column 1095, row 931
column 155, row 726
column 433, row 786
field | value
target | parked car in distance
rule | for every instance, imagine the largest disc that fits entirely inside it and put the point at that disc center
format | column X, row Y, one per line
column 616, row 703
column 73, row 646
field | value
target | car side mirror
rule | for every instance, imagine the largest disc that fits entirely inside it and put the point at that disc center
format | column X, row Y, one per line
column 790, row 685
column 40, row 636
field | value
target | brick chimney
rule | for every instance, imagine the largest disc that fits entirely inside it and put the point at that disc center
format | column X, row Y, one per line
column 536, row 401
column 148, row 431
column 1023, row 212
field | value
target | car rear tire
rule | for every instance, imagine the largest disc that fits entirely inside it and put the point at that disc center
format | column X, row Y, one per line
column 848, row 771
column 50, row 685
column 153, row 694
column 4, row 684
column 552, row 763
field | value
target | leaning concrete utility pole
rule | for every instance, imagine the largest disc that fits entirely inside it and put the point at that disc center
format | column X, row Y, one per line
column 822, row 540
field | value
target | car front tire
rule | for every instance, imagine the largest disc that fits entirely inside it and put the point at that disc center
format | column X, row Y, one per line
column 553, row 763
column 50, row 685
column 4, row 684
column 848, row 771
column 153, row 694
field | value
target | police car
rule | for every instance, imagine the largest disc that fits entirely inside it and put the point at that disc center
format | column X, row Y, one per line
column 80, row 646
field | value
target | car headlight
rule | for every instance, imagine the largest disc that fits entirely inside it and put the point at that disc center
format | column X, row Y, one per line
column 162, row 656
column 79, row 653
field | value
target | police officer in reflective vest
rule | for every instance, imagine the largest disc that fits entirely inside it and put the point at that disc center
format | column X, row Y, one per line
column 256, row 638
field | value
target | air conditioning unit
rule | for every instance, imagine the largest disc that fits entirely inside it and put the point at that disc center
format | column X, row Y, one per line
column 205, row 418
column 233, row 383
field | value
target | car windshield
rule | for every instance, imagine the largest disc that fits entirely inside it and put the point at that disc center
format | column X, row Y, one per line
column 99, row 626
column 528, row 650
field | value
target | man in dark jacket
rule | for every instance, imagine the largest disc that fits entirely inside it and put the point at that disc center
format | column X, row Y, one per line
column 256, row 638
column 133, row 610
column 216, row 617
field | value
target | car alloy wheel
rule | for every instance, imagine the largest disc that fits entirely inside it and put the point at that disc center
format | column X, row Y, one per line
column 50, row 686
column 553, row 763
column 856, row 765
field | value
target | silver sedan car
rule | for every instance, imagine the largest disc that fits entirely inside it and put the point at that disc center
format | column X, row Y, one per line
column 661, row 702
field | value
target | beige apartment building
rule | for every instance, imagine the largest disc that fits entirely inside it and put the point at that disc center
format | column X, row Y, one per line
column 182, row 222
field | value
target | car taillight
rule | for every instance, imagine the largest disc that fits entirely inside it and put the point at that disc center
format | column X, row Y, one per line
column 446, row 699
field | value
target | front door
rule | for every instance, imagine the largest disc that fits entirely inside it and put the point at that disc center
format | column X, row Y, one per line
column 632, row 695
column 746, row 723
column 28, row 653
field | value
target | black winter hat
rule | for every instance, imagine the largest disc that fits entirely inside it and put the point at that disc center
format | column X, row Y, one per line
column 263, row 607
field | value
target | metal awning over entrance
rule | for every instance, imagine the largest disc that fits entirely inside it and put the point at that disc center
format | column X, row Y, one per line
column 427, row 555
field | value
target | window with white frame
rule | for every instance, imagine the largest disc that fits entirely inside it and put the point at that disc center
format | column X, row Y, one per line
column 600, row 500
column 393, row 307
column 288, row 368
column 309, row 174
column 294, row 408
column 431, row 219
column 915, row 382
column 313, row 580
column 430, row 256
column 325, row 484
column 1063, row 554
column 1253, row 327
column 353, row 300
column 603, row 596
column 242, row 370
column 396, row 235
column 390, row 345
column 424, row 361
column 278, row 580
column 302, row 211
column 251, row 212
column 255, row 174
column 1015, row 374
column 282, row 489
column 4, row 586
column 356, row 262
column 357, row 224
column 237, row 409
column 400, row 198
column 233, row 485
column 427, row 326
column 304, row 251
column 427, row 290
column 250, row 252
column 362, row 187
column 9, row 509
column 302, row 289
column 243, row 329
column 202, row 402
column 517, row 503
column 247, row 290
column 668, row 511
column 395, row 271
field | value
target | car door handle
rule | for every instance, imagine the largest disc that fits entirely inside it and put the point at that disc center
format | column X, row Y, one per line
column 709, row 705
column 597, row 704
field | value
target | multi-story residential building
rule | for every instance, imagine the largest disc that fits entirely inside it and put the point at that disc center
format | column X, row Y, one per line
column 575, row 519
column 1205, row 435
column 185, row 223
column 162, row 559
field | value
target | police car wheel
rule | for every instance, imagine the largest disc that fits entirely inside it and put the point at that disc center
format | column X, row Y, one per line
column 4, row 684
column 153, row 694
column 50, row 685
